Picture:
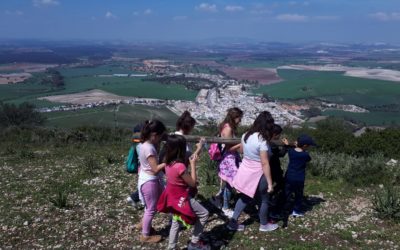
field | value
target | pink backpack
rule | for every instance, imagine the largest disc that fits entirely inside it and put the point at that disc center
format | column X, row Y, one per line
column 215, row 152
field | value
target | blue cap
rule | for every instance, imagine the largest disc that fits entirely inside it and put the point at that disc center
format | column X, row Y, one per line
column 305, row 140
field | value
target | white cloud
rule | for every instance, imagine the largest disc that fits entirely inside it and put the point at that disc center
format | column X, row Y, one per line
column 147, row 12
column 14, row 13
column 207, row 7
column 110, row 15
column 179, row 18
column 260, row 9
column 292, row 18
column 39, row 3
column 383, row 16
column 327, row 18
column 233, row 8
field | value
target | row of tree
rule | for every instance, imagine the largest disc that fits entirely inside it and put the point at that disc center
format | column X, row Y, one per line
column 21, row 115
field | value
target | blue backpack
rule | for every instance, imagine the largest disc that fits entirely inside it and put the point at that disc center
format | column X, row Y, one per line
column 132, row 161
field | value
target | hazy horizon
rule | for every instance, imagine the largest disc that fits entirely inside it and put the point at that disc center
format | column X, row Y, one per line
column 339, row 21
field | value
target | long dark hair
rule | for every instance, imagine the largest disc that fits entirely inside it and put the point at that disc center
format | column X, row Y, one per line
column 263, row 124
column 152, row 126
column 232, row 114
column 175, row 149
column 185, row 122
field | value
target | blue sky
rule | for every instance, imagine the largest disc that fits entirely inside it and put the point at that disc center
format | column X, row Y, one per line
column 279, row 20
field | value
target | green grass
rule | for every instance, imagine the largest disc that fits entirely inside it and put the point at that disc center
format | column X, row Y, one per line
column 83, row 79
column 332, row 86
column 91, row 71
column 127, row 116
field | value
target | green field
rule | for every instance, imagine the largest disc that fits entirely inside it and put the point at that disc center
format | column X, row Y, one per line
column 83, row 79
column 370, row 119
column 334, row 87
column 126, row 116
column 267, row 63
column 92, row 71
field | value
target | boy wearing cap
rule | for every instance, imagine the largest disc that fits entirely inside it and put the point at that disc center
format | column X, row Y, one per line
column 296, row 172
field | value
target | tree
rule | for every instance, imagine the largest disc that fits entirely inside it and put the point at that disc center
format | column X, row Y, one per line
column 22, row 115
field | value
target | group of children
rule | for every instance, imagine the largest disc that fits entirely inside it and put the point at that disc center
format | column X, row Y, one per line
column 254, row 176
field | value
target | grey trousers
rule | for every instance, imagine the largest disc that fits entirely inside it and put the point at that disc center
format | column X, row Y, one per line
column 202, row 217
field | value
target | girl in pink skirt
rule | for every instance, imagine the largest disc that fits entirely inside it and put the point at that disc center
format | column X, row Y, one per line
column 230, row 157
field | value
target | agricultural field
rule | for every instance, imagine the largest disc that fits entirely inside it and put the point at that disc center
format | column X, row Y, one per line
column 334, row 87
column 83, row 79
column 372, row 118
column 126, row 116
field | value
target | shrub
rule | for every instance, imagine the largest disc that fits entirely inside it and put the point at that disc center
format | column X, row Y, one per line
column 60, row 198
column 355, row 170
column 22, row 115
column 207, row 170
column 386, row 203
column 91, row 165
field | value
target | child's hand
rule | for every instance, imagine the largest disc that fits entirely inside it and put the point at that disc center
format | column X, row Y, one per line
column 201, row 142
column 193, row 159
column 285, row 141
column 270, row 188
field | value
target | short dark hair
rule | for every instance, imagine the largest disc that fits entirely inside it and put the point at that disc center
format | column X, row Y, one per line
column 152, row 126
column 175, row 149
column 185, row 122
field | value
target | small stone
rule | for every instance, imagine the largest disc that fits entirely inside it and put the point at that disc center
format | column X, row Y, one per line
column 26, row 223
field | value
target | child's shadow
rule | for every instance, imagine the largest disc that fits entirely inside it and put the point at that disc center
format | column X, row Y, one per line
column 308, row 204
column 219, row 235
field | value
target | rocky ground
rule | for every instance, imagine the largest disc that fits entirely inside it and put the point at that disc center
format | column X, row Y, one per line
column 75, row 198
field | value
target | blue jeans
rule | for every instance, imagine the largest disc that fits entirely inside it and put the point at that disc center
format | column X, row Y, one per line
column 261, row 195
column 227, row 193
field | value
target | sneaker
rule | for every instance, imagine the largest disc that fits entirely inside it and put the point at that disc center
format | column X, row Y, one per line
column 131, row 202
column 200, row 245
column 268, row 227
column 228, row 212
column 297, row 214
column 234, row 226
column 150, row 238
column 216, row 201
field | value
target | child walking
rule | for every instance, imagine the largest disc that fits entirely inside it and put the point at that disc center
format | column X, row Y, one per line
column 177, row 198
column 253, row 178
column 184, row 126
column 230, row 159
column 277, row 152
column 296, row 174
column 150, row 178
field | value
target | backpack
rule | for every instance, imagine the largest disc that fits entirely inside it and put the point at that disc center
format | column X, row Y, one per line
column 132, row 160
column 215, row 151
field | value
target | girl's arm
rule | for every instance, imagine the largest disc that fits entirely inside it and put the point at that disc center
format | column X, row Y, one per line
column 155, row 167
column 199, row 145
column 191, row 179
column 266, row 169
